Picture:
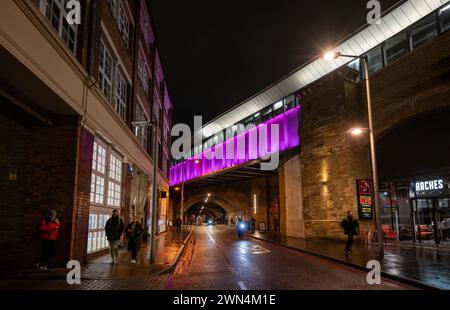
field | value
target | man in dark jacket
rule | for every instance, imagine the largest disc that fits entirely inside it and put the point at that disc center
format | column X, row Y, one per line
column 114, row 229
column 351, row 228
column 133, row 233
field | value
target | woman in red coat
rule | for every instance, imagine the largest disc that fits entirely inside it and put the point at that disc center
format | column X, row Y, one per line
column 48, row 233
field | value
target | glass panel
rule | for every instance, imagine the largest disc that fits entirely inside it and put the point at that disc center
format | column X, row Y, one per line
column 424, row 220
column 424, row 32
column 444, row 17
column 395, row 48
column 444, row 219
column 375, row 59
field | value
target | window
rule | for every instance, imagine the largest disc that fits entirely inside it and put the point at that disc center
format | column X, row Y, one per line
column 105, row 71
column 96, row 236
column 141, row 131
column 123, row 25
column 444, row 17
column 143, row 72
column 424, row 32
column 375, row 59
column 120, row 98
column 355, row 64
column 55, row 11
column 114, row 181
column 395, row 48
column 278, row 105
column 98, row 173
column 290, row 102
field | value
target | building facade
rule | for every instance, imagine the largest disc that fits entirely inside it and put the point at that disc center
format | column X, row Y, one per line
column 78, row 116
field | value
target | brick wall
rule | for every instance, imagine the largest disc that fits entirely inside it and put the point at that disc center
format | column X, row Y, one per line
column 45, row 161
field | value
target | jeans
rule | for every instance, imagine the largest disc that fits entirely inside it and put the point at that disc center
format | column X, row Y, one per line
column 47, row 250
column 114, row 249
column 178, row 229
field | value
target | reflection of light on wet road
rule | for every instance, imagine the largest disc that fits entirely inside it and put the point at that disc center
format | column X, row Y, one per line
column 211, row 238
column 248, row 248
column 242, row 286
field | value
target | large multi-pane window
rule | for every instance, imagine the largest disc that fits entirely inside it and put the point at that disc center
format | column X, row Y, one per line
column 395, row 48
column 120, row 15
column 124, row 27
column 424, row 32
column 120, row 98
column 141, row 129
column 106, row 190
column 106, row 174
column 111, row 81
column 375, row 58
column 56, row 11
column 105, row 71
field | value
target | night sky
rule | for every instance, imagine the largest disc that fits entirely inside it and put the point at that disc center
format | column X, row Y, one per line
column 217, row 53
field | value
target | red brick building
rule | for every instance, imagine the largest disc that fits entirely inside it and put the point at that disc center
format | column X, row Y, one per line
column 76, row 104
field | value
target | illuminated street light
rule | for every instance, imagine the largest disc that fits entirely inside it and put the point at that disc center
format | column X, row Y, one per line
column 330, row 55
column 357, row 131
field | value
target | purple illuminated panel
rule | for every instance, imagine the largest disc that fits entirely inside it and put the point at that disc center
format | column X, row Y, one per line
column 241, row 149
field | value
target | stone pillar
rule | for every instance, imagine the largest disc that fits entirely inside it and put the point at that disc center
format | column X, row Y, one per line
column 291, row 203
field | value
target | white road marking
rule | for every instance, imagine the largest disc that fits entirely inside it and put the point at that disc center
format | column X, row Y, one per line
column 242, row 286
column 210, row 237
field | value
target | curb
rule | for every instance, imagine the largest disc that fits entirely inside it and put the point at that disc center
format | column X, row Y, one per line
column 172, row 266
column 403, row 280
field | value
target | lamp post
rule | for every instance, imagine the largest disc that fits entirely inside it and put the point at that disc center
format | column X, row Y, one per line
column 333, row 55
column 197, row 161
column 155, row 126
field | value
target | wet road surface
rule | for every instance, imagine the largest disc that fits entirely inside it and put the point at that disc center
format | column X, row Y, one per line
column 216, row 259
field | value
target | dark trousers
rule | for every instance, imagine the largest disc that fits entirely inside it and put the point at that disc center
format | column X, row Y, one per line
column 178, row 229
column 132, row 247
column 348, row 245
column 47, row 250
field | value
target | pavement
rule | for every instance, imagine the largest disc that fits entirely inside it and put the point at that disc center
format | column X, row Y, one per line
column 215, row 259
column 419, row 266
column 99, row 274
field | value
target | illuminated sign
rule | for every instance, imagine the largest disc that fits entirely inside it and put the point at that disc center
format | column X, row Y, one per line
column 365, row 199
column 432, row 185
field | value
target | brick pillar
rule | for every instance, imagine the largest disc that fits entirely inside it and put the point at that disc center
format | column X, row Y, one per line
column 82, row 196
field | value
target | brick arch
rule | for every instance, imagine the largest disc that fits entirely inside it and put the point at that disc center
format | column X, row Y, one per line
column 231, row 202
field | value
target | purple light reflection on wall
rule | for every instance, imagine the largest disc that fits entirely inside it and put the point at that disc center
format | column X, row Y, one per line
column 201, row 165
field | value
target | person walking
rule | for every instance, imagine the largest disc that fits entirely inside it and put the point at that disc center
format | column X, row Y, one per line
column 351, row 229
column 48, row 234
column 133, row 233
column 178, row 223
column 114, row 229
column 253, row 224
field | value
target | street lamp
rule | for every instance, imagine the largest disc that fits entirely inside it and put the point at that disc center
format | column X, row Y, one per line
column 330, row 55
column 155, row 126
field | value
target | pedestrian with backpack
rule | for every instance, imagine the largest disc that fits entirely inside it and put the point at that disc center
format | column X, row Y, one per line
column 48, row 234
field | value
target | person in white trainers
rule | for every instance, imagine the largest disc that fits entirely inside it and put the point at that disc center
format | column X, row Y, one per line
column 133, row 233
column 114, row 229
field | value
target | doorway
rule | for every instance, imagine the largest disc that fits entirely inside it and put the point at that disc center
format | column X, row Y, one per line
column 431, row 220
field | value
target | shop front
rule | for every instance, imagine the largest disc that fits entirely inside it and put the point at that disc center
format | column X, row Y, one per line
column 416, row 210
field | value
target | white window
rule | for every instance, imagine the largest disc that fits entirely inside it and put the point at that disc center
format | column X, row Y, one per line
column 120, row 98
column 141, row 130
column 96, row 236
column 105, row 71
column 98, row 173
column 114, row 181
column 124, row 28
column 55, row 11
